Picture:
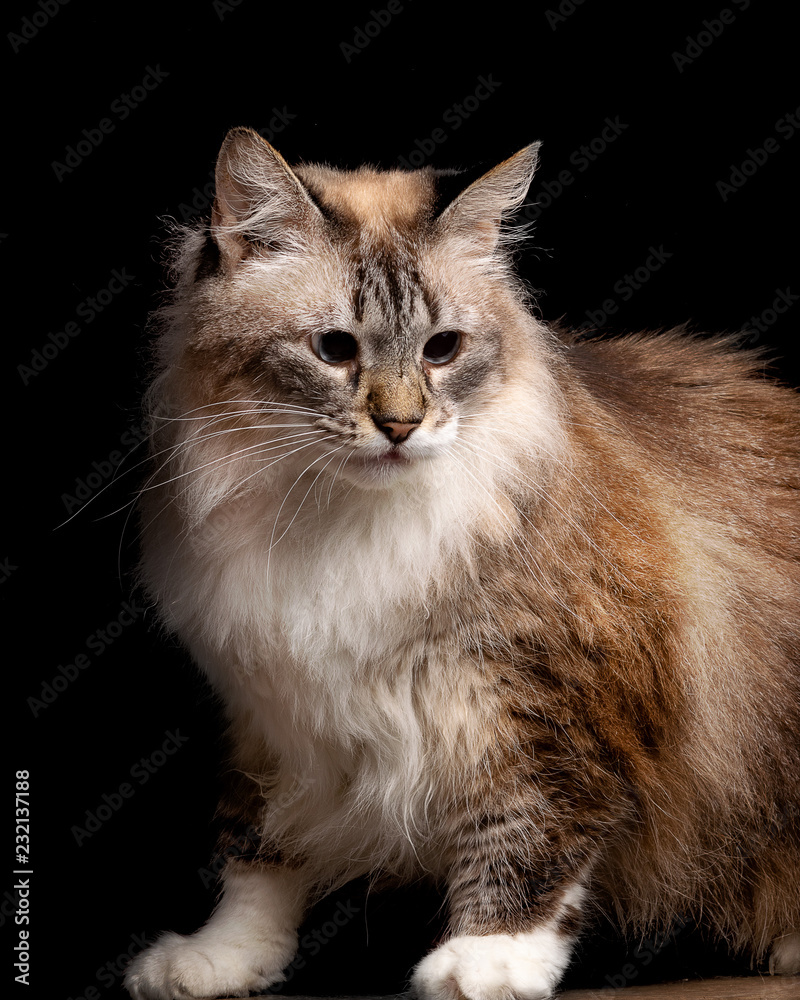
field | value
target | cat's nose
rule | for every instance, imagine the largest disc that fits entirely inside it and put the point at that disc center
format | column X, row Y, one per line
column 395, row 431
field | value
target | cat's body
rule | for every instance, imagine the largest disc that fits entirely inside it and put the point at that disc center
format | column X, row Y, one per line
column 485, row 602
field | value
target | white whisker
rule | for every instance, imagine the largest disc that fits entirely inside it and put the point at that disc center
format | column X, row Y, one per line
column 234, row 488
column 115, row 478
column 260, row 405
column 172, row 450
column 272, row 541
column 339, row 468
column 305, row 497
column 223, row 460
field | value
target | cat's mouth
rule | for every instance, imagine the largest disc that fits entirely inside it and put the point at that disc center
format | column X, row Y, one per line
column 376, row 470
column 391, row 458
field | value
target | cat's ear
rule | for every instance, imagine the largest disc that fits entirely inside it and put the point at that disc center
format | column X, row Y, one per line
column 478, row 212
column 259, row 199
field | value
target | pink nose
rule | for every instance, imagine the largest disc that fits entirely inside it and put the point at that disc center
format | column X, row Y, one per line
column 396, row 432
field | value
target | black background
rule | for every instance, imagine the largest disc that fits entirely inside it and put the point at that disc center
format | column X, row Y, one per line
column 556, row 77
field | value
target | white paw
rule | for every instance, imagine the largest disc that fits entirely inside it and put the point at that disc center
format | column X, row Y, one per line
column 784, row 959
column 496, row 967
column 185, row 968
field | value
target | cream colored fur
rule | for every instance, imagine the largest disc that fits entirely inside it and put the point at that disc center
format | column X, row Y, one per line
column 319, row 576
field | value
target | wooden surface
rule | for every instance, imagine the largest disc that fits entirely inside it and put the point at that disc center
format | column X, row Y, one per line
column 752, row 988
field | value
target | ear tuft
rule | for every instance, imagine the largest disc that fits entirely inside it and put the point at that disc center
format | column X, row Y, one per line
column 258, row 196
column 481, row 208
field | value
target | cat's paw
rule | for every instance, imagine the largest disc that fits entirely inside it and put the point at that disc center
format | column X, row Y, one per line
column 496, row 967
column 187, row 968
column 784, row 959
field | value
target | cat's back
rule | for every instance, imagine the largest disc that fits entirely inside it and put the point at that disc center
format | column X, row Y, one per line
column 694, row 434
column 705, row 410
column 661, row 376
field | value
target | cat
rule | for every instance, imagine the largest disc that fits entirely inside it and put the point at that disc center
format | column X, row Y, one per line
column 488, row 602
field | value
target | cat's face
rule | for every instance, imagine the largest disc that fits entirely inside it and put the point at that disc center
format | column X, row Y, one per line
column 343, row 314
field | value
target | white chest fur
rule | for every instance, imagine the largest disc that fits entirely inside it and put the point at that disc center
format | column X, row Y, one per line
column 321, row 646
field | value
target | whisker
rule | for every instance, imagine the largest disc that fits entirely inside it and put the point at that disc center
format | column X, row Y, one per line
column 310, row 488
column 260, row 405
column 182, row 445
column 118, row 475
column 558, row 422
column 207, row 421
column 220, row 461
column 343, row 462
column 223, row 460
column 236, row 487
column 189, row 442
column 483, row 487
column 565, row 467
column 115, row 478
column 272, row 541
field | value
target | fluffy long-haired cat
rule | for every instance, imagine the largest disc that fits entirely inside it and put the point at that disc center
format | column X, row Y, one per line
column 486, row 602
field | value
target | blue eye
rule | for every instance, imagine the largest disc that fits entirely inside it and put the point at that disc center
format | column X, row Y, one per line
column 442, row 347
column 334, row 346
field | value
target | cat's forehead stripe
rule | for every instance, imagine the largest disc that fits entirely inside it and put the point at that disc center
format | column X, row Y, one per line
column 389, row 283
column 392, row 281
column 399, row 291
column 378, row 216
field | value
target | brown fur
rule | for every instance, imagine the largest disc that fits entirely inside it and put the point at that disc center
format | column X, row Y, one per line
column 590, row 678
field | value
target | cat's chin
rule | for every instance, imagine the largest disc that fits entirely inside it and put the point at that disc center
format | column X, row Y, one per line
column 378, row 471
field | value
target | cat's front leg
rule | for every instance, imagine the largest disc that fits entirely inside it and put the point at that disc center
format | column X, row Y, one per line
column 248, row 941
column 521, row 964
column 521, row 857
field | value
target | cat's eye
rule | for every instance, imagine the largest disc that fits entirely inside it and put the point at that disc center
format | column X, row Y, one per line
column 334, row 346
column 442, row 347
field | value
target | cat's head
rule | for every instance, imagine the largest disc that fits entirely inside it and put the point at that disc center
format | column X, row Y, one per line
column 376, row 310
